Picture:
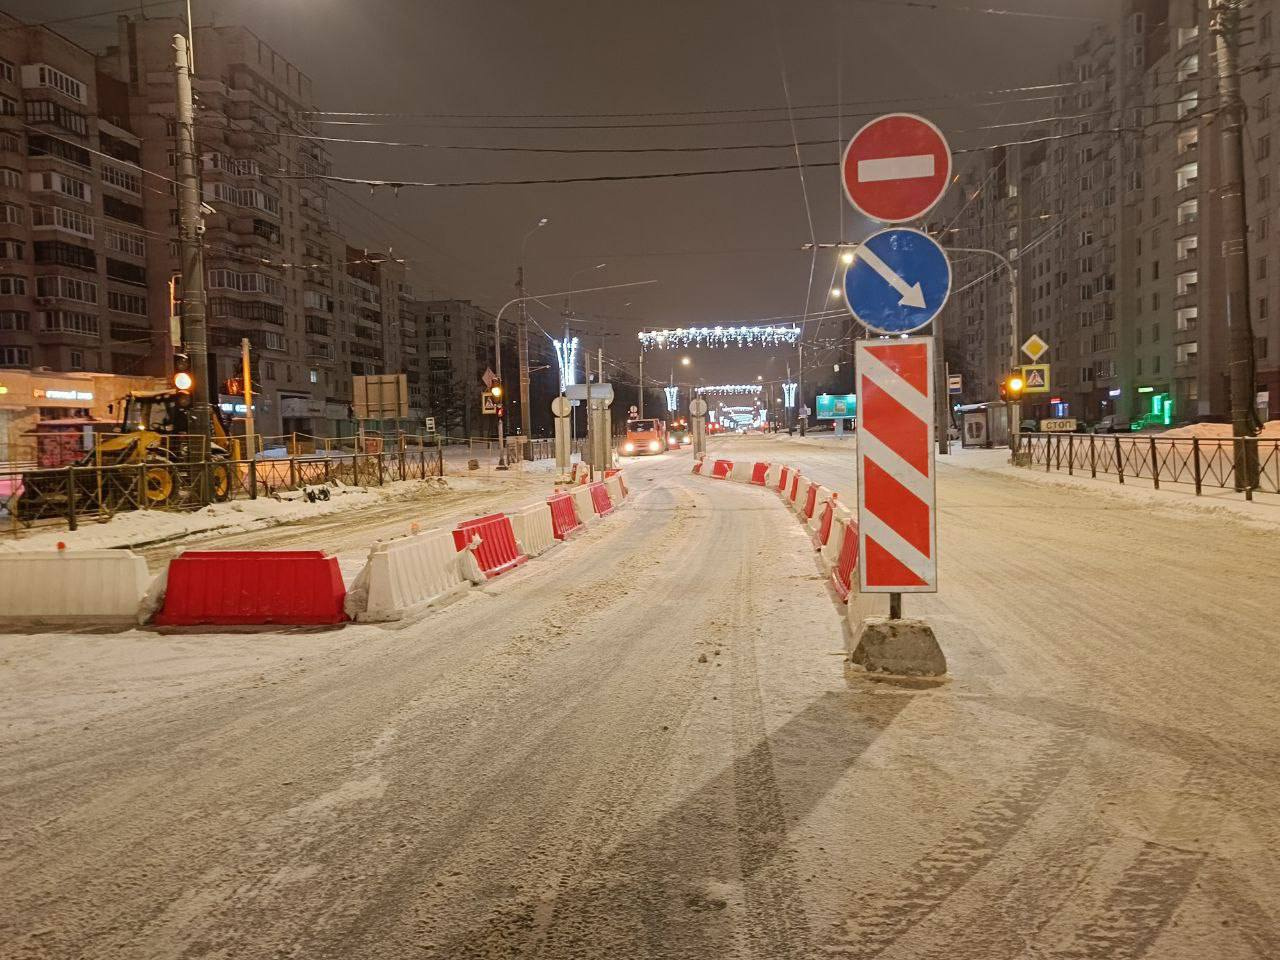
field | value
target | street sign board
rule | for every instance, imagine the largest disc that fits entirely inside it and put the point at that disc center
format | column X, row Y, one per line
column 1034, row 347
column 897, row 530
column 955, row 383
column 804, row 410
column 898, row 282
column 488, row 403
column 561, row 406
column 698, row 407
column 429, row 424
column 896, row 168
column 381, row 397
column 488, row 377
column 1035, row 377
column 1059, row 425
column 578, row 391
column 837, row 406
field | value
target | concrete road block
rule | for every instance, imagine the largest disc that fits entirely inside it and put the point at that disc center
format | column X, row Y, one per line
column 583, row 504
column 106, row 585
column 407, row 573
column 906, row 647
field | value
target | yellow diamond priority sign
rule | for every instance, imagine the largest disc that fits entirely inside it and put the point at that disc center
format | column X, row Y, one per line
column 1034, row 347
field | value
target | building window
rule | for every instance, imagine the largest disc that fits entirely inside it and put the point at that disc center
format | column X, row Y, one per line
column 269, row 368
column 121, row 178
column 8, row 106
column 1155, row 269
column 1186, row 318
column 1264, row 147
column 1155, row 333
column 46, row 111
column 1155, row 302
column 66, row 321
column 77, row 360
column 1264, row 27
column 70, row 220
column 11, row 357
column 126, row 303
column 10, row 213
column 14, row 320
column 6, row 70
column 12, row 250
column 122, row 242
column 1138, row 366
column 47, row 76
column 67, row 288
column 10, row 178
column 1264, row 187
column 1264, row 107
column 12, row 286
column 71, row 187
column 1262, row 308
column 1155, row 363
column 119, row 210
column 1185, row 352
column 65, row 254
column 1260, row 348
column 1187, row 174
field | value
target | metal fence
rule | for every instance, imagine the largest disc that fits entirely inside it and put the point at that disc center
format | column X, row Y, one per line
column 1196, row 461
column 74, row 493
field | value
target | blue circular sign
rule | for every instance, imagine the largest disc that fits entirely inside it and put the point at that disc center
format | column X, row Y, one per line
column 898, row 282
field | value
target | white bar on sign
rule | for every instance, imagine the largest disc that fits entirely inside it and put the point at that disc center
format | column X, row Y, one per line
column 895, row 168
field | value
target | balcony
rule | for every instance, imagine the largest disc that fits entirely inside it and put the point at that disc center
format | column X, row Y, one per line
column 319, row 350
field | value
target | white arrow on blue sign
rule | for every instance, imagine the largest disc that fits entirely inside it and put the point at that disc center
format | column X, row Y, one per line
column 898, row 282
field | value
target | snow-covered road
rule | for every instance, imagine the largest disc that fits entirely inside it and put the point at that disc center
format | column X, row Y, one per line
column 548, row 767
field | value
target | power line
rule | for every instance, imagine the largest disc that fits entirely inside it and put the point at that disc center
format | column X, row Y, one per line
column 140, row 5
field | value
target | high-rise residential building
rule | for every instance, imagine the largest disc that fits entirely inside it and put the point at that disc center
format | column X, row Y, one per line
column 1109, row 215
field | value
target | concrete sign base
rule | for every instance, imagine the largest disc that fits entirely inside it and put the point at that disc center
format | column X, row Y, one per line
column 906, row 647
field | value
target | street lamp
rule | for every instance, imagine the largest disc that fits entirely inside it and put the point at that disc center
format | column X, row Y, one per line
column 685, row 361
column 568, row 300
column 522, row 337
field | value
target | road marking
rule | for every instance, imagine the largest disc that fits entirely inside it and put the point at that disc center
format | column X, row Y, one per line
column 896, row 168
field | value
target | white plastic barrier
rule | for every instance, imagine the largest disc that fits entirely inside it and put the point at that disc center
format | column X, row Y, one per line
column 771, row 476
column 582, row 503
column 741, row 471
column 532, row 526
column 72, row 585
column 410, row 572
column 831, row 552
column 814, row 523
column 802, row 496
column 614, row 487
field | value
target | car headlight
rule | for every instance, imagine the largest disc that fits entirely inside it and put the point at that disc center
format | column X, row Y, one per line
column 631, row 448
column 654, row 446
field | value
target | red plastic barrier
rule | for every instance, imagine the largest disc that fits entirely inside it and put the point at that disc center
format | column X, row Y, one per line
column 842, row 573
column 235, row 587
column 810, row 500
column 497, row 551
column 720, row 469
column 600, row 499
column 697, row 466
column 783, row 477
column 757, row 473
column 823, row 533
column 564, row 518
column 622, row 483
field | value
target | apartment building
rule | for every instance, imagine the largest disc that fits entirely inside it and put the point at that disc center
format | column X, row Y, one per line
column 1108, row 215
column 73, row 248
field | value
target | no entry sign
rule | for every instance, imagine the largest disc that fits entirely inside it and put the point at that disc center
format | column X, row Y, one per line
column 898, row 543
column 896, row 168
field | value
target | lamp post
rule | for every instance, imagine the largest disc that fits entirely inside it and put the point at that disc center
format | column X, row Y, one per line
column 522, row 341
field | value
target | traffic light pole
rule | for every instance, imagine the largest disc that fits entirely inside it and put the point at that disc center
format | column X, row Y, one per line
column 190, row 238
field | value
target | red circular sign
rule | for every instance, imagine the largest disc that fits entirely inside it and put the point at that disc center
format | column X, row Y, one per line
column 896, row 168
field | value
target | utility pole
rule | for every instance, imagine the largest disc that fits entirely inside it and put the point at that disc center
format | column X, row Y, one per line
column 1224, row 23
column 804, row 420
column 522, row 339
column 641, row 382
column 191, row 240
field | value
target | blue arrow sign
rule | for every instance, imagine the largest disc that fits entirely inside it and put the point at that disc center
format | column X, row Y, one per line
column 898, row 282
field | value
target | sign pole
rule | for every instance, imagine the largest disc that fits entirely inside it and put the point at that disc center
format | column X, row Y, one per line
column 250, row 430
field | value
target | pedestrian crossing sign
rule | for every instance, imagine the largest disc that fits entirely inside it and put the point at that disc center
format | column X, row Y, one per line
column 1036, row 378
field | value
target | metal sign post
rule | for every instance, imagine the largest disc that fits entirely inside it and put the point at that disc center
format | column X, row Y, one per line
column 560, row 409
column 698, row 416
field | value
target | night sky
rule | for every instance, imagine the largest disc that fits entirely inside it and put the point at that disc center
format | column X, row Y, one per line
column 725, row 249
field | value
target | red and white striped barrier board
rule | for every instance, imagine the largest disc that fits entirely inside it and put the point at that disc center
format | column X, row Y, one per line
column 897, row 528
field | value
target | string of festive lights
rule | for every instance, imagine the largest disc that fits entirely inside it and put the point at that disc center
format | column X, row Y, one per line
column 730, row 388
column 673, row 398
column 789, row 394
column 748, row 336
column 567, row 360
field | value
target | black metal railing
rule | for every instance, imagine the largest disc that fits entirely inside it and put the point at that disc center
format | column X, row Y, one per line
column 1200, row 462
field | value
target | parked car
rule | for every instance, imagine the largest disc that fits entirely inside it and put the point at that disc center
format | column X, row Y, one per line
column 1111, row 424
column 1029, row 426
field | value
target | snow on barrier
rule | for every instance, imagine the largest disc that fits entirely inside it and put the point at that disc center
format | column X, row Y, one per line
column 772, row 475
column 564, row 515
column 583, row 504
column 405, row 574
column 720, row 469
column 535, row 533
column 758, row 473
column 252, row 587
column 847, row 562
column 492, row 540
column 72, row 585
column 613, row 483
column 600, row 501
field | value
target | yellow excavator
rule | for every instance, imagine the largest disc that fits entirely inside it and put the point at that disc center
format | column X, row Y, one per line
column 154, row 430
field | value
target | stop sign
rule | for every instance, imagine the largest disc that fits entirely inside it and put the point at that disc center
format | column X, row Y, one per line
column 896, row 168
